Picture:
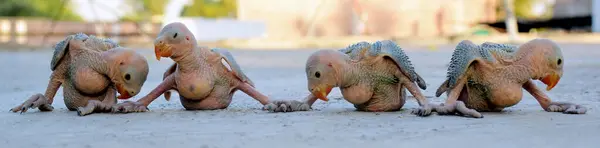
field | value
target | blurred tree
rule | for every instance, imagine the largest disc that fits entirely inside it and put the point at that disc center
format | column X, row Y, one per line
column 529, row 9
column 199, row 8
column 144, row 9
column 38, row 8
column 534, row 9
column 154, row 7
column 211, row 8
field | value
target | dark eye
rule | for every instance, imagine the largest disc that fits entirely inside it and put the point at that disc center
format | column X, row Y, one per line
column 175, row 35
column 559, row 61
column 317, row 74
column 127, row 77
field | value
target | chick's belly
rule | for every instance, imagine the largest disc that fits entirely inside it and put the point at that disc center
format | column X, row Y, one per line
column 357, row 94
column 506, row 96
column 194, row 88
column 89, row 81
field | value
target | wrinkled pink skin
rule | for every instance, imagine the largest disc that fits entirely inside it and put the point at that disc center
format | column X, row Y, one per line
column 198, row 75
column 491, row 86
column 91, row 72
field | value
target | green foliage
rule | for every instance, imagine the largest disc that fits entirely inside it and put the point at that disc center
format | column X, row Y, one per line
column 146, row 9
column 131, row 18
column 154, row 7
column 211, row 8
column 526, row 9
column 37, row 8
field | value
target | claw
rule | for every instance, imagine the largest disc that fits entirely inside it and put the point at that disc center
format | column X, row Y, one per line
column 23, row 109
column 283, row 108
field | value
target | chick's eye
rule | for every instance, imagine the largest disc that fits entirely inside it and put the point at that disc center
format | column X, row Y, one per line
column 127, row 77
column 559, row 62
column 175, row 35
column 317, row 74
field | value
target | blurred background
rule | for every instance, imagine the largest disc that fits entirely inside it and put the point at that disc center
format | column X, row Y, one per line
column 294, row 23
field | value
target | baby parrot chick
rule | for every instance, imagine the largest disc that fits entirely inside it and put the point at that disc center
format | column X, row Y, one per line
column 205, row 79
column 91, row 71
column 373, row 77
column 490, row 77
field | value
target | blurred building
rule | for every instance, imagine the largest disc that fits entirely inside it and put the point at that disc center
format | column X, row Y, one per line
column 572, row 8
column 394, row 18
column 291, row 19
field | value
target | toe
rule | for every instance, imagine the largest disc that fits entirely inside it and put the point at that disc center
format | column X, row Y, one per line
column 46, row 107
column 571, row 111
column 37, row 103
column 283, row 108
column 142, row 108
column 474, row 114
column 304, row 107
column 581, row 110
column 116, row 109
column 575, row 111
column 24, row 109
column 16, row 109
column 127, row 109
column 120, row 109
column 427, row 113
column 416, row 111
column 81, row 111
column 422, row 112
column 270, row 107
column 553, row 108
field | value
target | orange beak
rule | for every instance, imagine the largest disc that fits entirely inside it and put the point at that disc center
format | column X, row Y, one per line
column 162, row 50
column 322, row 92
column 551, row 80
column 123, row 94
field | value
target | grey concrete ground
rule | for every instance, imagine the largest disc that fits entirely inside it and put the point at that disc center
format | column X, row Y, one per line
column 280, row 75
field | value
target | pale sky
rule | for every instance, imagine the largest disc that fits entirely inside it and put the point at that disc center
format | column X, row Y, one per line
column 106, row 10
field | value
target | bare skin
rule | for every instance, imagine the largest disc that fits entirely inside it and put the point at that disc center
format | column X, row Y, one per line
column 490, row 77
column 91, row 72
column 373, row 77
column 205, row 79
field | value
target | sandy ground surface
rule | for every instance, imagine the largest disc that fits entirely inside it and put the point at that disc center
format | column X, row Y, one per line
column 280, row 75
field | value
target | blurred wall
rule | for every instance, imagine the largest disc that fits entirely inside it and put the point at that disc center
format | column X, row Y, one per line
column 391, row 18
column 571, row 8
column 33, row 31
